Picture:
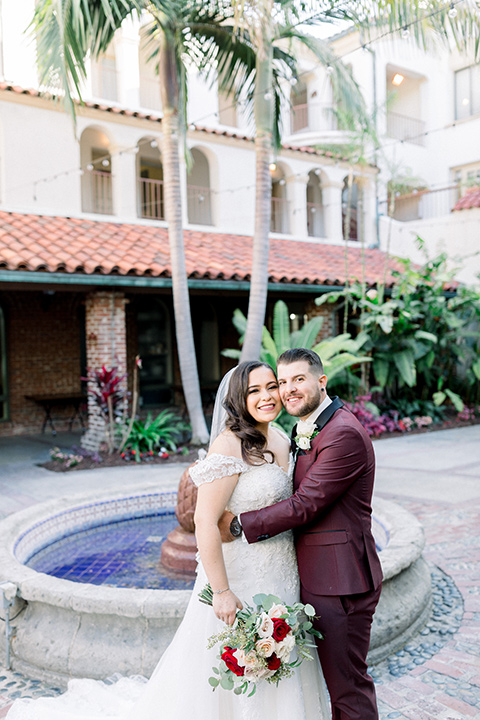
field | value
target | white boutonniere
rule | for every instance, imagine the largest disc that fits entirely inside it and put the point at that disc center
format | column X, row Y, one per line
column 303, row 438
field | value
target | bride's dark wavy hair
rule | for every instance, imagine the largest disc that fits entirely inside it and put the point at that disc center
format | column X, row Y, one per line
column 239, row 420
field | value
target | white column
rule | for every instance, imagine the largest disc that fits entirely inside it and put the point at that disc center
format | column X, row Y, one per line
column 332, row 204
column 297, row 195
column 369, row 210
column 124, row 178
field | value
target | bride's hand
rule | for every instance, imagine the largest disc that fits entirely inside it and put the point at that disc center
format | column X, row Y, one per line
column 225, row 606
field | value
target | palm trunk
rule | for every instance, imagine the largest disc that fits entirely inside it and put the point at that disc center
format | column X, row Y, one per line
column 257, row 302
column 169, row 88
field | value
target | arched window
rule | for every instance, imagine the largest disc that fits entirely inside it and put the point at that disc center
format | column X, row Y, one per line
column 96, row 164
column 199, row 191
column 3, row 370
column 151, row 200
column 155, row 349
column 299, row 107
column 149, row 80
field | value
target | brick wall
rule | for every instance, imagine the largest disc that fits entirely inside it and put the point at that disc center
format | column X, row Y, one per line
column 106, row 341
column 327, row 311
column 43, row 338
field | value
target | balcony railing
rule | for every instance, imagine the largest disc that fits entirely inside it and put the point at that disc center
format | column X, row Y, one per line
column 315, row 219
column 424, row 204
column 98, row 192
column 403, row 127
column 151, row 197
column 313, row 117
column 199, row 205
column 279, row 221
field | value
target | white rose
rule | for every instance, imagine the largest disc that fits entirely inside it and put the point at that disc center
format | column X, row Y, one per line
column 285, row 647
column 265, row 628
column 277, row 611
column 250, row 661
column 265, row 647
column 304, row 443
column 240, row 655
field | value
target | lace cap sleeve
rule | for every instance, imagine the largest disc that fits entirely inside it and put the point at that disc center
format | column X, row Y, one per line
column 216, row 466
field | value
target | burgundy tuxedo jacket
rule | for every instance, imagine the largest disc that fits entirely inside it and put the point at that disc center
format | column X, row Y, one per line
column 330, row 511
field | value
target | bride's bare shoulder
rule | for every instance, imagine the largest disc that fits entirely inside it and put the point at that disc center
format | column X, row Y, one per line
column 226, row 444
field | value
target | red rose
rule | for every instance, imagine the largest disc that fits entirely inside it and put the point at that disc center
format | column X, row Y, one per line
column 273, row 662
column 280, row 629
column 231, row 661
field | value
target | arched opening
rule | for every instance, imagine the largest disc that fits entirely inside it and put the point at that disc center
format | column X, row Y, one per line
column 280, row 220
column 350, row 198
column 96, row 165
column 4, row 408
column 299, row 107
column 151, row 200
column 155, row 349
column 315, row 211
column 199, row 194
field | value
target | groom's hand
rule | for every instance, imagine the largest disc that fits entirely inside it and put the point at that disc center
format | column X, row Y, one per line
column 224, row 526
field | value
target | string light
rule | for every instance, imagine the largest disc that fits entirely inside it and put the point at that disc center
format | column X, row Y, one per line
column 452, row 12
column 405, row 33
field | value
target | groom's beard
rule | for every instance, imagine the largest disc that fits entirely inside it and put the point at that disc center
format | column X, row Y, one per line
column 308, row 406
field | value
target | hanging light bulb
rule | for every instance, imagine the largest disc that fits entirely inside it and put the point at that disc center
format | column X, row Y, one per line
column 293, row 81
column 272, row 167
column 105, row 162
column 153, row 143
column 90, row 167
column 268, row 95
column 329, row 70
column 405, row 32
column 452, row 13
column 281, row 182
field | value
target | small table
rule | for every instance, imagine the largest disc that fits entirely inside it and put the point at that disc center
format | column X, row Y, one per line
column 47, row 402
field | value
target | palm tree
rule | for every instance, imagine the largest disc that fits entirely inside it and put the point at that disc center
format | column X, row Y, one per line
column 67, row 32
column 270, row 27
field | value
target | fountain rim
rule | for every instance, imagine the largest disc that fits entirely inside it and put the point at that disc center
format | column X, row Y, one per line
column 405, row 545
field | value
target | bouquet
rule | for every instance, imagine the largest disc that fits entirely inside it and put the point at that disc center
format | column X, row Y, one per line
column 266, row 642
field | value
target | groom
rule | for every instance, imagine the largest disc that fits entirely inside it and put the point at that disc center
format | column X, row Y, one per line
column 330, row 511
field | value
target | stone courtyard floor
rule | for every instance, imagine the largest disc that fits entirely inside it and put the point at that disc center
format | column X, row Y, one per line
column 436, row 476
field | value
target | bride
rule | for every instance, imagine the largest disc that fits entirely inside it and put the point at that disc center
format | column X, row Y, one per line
column 247, row 467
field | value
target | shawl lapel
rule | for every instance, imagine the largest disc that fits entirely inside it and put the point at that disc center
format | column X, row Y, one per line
column 320, row 423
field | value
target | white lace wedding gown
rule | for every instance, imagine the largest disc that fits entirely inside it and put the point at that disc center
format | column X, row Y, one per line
column 179, row 688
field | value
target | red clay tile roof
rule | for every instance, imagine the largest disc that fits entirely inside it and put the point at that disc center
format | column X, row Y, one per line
column 75, row 245
column 471, row 199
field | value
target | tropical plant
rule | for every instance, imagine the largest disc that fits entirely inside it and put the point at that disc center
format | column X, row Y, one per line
column 105, row 387
column 145, row 436
column 424, row 340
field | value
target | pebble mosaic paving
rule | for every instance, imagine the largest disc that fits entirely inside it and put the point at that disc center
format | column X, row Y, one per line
column 436, row 676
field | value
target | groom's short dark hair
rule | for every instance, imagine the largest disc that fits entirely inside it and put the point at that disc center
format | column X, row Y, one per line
column 295, row 354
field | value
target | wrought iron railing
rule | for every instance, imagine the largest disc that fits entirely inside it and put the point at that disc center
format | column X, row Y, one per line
column 279, row 221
